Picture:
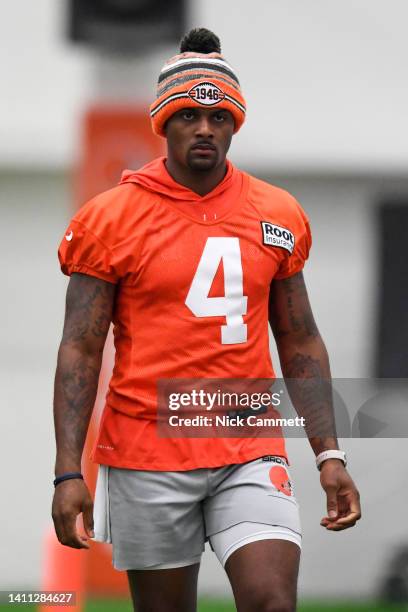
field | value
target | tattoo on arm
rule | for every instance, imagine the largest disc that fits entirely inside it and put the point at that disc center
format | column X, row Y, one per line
column 304, row 359
column 303, row 366
column 76, row 385
column 289, row 308
column 311, row 394
column 89, row 310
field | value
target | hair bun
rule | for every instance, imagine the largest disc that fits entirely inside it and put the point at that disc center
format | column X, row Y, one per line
column 200, row 40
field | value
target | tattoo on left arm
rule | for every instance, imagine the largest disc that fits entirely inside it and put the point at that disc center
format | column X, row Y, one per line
column 304, row 359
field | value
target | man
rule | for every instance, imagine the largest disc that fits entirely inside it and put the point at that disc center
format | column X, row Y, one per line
column 187, row 257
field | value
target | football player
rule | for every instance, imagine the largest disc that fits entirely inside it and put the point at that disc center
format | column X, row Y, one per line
column 189, row 257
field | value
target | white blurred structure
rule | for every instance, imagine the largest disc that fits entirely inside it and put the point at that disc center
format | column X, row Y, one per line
column 327, row 120
column 324, row 81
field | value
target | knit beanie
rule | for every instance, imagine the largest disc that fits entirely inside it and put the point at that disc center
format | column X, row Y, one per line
column 198, row 77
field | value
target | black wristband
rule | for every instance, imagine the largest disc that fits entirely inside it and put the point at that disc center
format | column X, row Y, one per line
column 67, row 476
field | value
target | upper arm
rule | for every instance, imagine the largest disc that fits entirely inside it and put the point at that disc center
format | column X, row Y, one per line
column 88, row 312
column 290, row 313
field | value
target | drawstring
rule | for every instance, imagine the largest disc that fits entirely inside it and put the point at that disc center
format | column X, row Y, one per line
column 205, row 216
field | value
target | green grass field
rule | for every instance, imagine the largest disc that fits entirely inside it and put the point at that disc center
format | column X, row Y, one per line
column 311, row 606
column 227, row 606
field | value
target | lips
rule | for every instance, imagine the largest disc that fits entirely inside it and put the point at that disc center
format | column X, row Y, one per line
column 204, row 146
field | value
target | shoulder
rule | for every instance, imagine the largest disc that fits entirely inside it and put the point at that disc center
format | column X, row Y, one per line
column 270, row 200
column 104, row 233
column 284, row 224
column 110, row 215
column 112, row 203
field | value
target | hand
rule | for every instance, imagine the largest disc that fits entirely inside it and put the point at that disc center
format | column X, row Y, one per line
column 72, row 497
column 343, row 499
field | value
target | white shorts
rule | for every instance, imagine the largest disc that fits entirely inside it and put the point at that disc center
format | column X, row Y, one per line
column 160, row 520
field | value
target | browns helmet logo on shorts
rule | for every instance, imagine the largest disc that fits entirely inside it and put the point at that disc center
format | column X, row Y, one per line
column 280, row 479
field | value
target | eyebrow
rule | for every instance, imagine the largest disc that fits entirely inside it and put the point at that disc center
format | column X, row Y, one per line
column 194, row 110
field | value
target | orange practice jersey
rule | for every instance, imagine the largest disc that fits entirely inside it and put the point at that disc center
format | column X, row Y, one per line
column 193, row 276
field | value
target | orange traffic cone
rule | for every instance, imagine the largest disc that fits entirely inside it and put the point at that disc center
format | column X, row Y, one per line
column 114, row 138
column 63, row 571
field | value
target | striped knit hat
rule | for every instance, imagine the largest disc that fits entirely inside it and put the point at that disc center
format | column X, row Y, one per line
column 199, row 76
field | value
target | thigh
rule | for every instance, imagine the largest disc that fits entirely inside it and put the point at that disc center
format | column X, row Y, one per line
column 260, row 491
column 165, row 590
column 263, row 576
column 226, row 542
column 156, row 519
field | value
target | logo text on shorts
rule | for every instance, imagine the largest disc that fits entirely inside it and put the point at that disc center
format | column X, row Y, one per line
column 273, row 458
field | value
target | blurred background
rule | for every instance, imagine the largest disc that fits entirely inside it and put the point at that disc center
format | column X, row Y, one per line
column 327, row 120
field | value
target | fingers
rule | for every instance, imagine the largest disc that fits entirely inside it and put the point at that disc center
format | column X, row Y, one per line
column 65, row 528
column 343, row 499
column 348, row 520
column 332, row 508
column 72, row 537
column 70, row 499
column 341, row 523
column 87, row 517
column 349, row 515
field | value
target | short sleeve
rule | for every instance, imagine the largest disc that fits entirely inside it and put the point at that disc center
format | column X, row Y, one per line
column 81, row 250
column 294, row 262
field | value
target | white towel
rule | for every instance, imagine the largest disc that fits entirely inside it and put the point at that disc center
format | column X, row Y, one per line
column 101, row 506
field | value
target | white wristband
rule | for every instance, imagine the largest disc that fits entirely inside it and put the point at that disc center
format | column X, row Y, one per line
column 330, row 454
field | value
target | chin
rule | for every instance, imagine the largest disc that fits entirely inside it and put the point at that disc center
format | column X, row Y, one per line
column 202, row 165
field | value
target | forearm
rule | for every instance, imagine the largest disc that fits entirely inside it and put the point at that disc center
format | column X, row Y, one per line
column 76, row 384
column 306, row 369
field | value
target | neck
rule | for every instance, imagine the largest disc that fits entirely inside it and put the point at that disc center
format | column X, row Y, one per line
column 199, row 181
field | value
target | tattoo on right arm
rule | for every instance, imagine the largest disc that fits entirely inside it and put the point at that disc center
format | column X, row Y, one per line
column 89, row 311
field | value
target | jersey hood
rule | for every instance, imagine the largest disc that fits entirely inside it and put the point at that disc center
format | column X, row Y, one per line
column 155, row 177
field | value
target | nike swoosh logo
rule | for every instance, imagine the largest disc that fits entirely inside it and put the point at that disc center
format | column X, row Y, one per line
column 69, row 236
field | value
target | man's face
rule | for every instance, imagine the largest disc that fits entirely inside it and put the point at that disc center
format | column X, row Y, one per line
column 199, row 138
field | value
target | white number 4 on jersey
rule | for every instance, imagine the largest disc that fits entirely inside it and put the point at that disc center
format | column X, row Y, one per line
column 234, row 303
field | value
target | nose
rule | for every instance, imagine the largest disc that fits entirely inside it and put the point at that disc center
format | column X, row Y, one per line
column 203, row 127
